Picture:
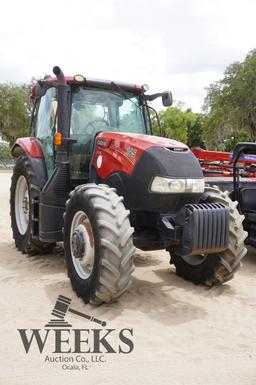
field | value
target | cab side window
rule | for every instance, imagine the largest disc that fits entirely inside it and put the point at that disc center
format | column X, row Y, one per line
column 45, row 126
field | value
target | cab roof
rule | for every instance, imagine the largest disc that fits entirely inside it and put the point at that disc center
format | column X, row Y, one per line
column 91, row 82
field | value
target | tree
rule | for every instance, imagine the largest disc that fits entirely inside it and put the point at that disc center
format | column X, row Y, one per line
column 185, row 126
column 195, row 130
column 14, row 111
column 5, row 152
column 231, row 102
column 173, row 124
column 232, row 139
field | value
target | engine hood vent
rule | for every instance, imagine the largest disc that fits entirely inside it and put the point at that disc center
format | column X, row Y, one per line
column 177, row 149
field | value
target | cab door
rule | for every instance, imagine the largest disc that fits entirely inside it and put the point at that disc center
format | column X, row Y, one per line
column 89, row 115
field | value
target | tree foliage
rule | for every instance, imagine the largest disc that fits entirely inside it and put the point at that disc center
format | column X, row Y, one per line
column 184, row 126
column 173, row 124
column 14, row 111
column 195, row 130
column 231, row 140
column 230, row 103
column 5, row 152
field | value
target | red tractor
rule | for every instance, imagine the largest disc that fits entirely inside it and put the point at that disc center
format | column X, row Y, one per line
column 92, row 175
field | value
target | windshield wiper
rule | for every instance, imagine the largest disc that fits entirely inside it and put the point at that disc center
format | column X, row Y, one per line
column 124, row 94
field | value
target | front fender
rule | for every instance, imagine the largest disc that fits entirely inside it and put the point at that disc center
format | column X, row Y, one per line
column 28, row 146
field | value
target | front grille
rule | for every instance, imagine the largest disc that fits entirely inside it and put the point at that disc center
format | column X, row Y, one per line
column 205, row 228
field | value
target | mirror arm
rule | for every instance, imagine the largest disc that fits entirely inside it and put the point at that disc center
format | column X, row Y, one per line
column 152, row 97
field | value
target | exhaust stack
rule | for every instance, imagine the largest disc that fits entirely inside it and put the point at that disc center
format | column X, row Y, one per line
column 59, row 75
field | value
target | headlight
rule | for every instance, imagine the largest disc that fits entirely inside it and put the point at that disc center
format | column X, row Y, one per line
column 168, row 185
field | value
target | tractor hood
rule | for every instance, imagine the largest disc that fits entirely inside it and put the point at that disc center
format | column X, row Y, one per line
column 119, row 152
column 129, row 162
column 140, row 141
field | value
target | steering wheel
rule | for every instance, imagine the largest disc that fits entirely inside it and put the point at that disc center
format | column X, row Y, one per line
column 92, row 124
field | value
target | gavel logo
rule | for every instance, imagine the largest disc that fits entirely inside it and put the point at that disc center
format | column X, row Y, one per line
column 62, row 306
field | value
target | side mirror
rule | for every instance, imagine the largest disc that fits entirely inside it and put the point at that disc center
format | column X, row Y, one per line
column 167, row 99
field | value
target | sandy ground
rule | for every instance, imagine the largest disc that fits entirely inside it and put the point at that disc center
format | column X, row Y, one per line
column 183, row 334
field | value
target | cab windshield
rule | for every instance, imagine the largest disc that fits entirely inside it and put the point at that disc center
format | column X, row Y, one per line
column 95, row 110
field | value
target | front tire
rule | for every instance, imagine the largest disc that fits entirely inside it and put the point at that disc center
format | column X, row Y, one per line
column 98, row 243
column 214, row 269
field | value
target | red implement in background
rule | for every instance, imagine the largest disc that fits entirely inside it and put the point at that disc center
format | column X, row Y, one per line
column 217, row 163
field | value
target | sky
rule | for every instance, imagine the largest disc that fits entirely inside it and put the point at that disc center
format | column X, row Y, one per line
column 176, row 45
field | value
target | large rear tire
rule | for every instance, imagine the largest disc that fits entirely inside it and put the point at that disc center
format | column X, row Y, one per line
column 98, row 243
column 214, row 269
column 24, row 190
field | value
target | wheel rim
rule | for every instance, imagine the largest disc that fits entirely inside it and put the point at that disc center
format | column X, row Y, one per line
column 22, row 208
column 195, row 260
column 82, row 244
